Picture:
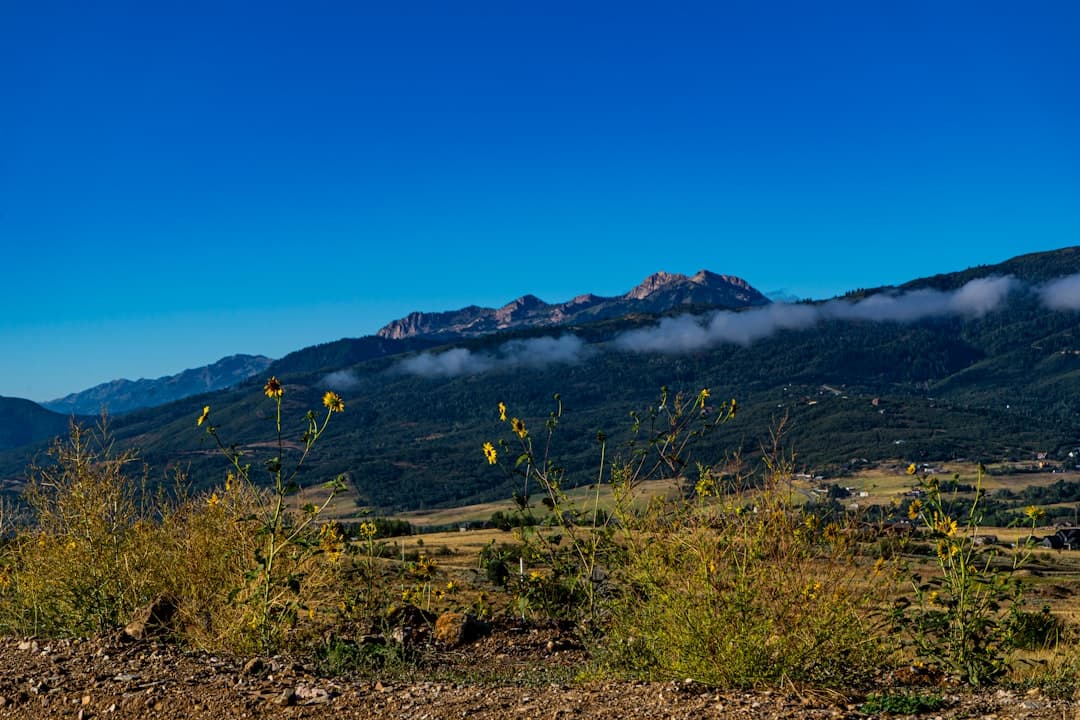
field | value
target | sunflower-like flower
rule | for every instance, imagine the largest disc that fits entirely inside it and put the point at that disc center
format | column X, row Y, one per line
column 1033, row 513
column 204, row 416
column 946, row 526
column 490, row 454
column 502, row 412
column 911, row 469
column 273, row 388
column 518, row 426
column 914, row 508
column 333, row 402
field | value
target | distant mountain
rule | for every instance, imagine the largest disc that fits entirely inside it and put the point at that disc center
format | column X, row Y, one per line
column 345, row 352
column 659, row 293
column 121, row 396
column 23, row 422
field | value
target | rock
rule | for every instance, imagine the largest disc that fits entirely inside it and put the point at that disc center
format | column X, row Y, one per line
column 312, row 695
column 153, row 619
column 254, row 666
column 456, row 628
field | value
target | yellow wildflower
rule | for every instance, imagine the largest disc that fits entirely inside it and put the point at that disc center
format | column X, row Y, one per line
column 932, row 598
column 704, row 487
column 273, row 388
column 914, row 508
column 1033, row 513
column 704, row 394
column 831, row 532
column 229, row 477
column 333, row 402
column 490, row 454
column 451, row 586
column 214, row 500
column 367, row 530
column 911, row 469
column 518, row 426
column 202, row 418
column 502, row 412
column 731, row 413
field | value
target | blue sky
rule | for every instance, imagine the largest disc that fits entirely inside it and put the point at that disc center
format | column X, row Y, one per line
column 184, row 181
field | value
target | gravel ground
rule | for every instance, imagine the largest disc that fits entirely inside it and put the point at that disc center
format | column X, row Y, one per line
column 113, row 678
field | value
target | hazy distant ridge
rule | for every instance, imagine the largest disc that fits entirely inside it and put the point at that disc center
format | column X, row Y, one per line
column 120, row 396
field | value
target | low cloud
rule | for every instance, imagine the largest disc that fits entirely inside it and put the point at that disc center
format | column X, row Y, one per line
column 689, row 333
column 974, row 299
column 531, row 353
column 1062, row 294
column 341, row 380
column 458, row 361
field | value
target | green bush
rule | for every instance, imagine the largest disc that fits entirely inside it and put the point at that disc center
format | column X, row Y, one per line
column 92, row 552
column 742, row 598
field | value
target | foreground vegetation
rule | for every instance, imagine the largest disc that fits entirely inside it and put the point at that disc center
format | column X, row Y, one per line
column 732, row 579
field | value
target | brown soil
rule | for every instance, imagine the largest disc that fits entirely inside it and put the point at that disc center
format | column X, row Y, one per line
column 514, row 672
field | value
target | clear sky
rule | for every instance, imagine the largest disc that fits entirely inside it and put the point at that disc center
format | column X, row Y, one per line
column 180, row 181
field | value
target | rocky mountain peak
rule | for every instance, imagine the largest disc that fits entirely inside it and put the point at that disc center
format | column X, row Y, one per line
column 656, row 281
column 705, row 277
column 660, row 292
column 518, row 309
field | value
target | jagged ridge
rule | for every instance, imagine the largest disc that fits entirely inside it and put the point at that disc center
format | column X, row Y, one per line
column 660, row 292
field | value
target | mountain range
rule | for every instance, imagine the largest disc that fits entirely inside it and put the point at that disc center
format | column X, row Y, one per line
column 120, row 396
column 976, row 363
column 659, row 293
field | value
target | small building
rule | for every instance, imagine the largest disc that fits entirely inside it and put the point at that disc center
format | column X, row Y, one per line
column 1063, row 539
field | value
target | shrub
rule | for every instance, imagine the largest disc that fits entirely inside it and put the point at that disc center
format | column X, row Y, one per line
column 91, row 554
column 279, row 562
column 962, row 618
column 744, row 590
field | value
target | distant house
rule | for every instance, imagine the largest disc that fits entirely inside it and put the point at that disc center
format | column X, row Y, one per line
column 1063, row 539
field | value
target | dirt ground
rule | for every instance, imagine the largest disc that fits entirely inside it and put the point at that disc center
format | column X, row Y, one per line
column 514, row 672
